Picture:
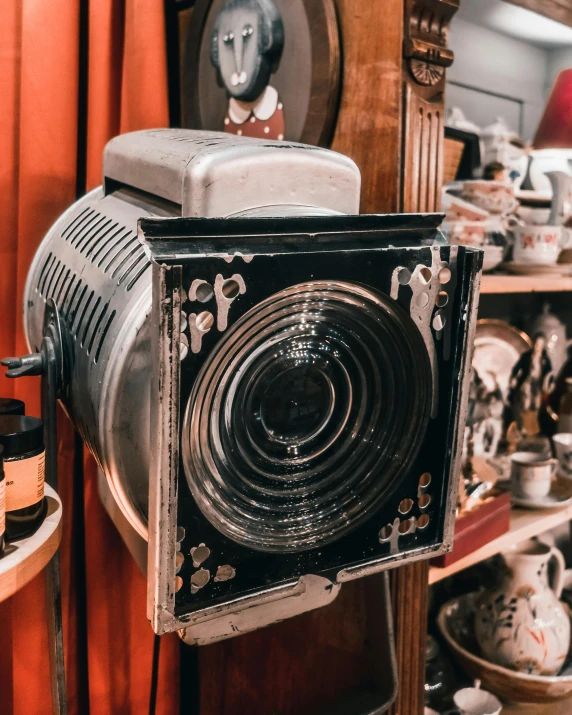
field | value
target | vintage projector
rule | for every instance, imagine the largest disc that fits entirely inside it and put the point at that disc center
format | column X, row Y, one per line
column 273, row 386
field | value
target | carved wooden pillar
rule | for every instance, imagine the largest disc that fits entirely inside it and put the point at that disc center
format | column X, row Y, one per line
column 425, row 59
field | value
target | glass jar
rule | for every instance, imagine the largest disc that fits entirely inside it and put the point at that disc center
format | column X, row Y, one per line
column 24, row 464
column 10, row 406
column 439, row 677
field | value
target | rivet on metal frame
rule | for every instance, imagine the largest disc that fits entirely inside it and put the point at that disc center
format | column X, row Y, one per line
column 199, row 326
column 200, row 290
column 227, row 291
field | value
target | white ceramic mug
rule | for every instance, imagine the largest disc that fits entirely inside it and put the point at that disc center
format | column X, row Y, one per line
column 563, row 447
column 474, row 701
column 531, row 474
column 536, row 244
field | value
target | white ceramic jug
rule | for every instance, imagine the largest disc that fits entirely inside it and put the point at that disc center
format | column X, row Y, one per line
column 522, row 625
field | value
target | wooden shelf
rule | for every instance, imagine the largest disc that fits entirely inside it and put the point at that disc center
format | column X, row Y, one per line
column 524, row 524
column 25, row 558
column 499, row 283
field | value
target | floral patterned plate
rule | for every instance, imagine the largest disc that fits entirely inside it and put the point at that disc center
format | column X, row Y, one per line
column 456, row 624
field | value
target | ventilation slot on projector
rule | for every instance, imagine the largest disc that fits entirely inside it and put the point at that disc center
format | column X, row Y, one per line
column 113, row 247
column 102, row 338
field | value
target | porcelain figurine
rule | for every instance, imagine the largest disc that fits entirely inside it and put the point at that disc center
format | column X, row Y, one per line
column 504, row 146
column 522, row 625
column 531, row 379
column 554, row 331
column 247, row 45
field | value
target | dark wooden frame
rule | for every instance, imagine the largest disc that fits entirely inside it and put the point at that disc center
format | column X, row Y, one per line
column 326, row 67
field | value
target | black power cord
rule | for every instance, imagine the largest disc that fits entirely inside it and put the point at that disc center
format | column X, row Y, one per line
column 154, row 675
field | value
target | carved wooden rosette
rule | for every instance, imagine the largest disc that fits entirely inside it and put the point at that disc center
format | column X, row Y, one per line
column 425, row 59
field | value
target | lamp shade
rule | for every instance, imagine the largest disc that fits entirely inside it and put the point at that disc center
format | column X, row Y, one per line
column 555, row 128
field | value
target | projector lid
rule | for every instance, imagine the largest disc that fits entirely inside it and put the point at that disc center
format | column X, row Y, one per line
column 217, row 174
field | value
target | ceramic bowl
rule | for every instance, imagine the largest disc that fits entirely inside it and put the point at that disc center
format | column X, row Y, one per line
column 465, row 233
column 493, row 196
column 533, row 216
column 456, row 624
column 493, row 257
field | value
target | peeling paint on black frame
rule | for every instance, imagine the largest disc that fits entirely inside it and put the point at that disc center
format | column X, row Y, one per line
column 299, row 249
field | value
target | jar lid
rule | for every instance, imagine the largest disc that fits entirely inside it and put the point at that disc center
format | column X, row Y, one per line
column 9, row 406
column 19, row 434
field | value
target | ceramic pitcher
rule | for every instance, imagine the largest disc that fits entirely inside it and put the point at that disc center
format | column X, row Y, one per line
column 522, row 625
column 561, row 207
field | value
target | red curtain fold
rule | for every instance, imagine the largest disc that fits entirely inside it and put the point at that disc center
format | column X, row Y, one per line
column 39, row 123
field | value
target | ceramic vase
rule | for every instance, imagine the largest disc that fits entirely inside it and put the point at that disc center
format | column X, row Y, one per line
column 522, row 625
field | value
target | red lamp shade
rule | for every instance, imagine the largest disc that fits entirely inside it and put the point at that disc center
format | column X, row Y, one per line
column 555, row 128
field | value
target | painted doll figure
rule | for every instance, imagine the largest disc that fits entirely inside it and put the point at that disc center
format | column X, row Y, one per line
column 247, row 44
column 530, row 380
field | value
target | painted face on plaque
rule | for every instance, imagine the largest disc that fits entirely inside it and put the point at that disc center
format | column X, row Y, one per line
column 247, row 45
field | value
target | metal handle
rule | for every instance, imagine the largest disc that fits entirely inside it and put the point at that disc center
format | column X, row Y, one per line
column 558, row 580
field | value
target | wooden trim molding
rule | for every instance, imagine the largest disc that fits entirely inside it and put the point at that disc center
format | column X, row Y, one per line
column 557, row 10
column 425, row 59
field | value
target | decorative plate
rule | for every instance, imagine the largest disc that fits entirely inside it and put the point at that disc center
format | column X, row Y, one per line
column 498, row 345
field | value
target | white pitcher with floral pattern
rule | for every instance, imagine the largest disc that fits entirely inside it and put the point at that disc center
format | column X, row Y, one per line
column 522, row 625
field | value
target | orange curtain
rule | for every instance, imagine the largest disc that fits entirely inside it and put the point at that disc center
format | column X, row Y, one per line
column 40, row 123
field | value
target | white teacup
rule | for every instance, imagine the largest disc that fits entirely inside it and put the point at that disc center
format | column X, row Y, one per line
column 474, row 701
column 563, row 447
column 536, row 244
column 531, row 474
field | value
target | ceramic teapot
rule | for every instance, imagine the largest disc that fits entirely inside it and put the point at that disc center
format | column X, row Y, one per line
column 522, row 625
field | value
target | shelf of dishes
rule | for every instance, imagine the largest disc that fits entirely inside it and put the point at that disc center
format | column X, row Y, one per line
column 499, row 283
column 524, row 234
column 524, row 524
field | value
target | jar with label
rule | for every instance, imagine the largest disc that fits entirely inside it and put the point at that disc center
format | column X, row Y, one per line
column 24, row 464
column 10, row 406
column 565, row 408
column 2, row 501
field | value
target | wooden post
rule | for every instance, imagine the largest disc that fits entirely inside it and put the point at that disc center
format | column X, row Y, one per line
column 425, row 58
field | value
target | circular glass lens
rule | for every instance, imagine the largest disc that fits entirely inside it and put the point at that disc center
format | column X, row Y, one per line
column 297, row 404
column 304, row 414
